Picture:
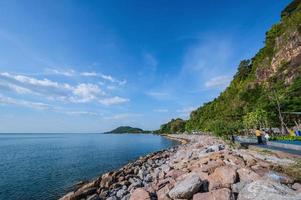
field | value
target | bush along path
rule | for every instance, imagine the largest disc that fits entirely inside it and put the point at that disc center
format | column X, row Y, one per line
column 205, row 168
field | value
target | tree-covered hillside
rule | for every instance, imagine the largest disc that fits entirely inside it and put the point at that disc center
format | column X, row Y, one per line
column 263, row 87
column 128, row 129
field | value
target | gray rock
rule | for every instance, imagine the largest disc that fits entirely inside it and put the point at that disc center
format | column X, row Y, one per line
column 112, row 198
column 141, row 174
column 93, row 197
column 126, row 197
column 121, row 193
column 215, row 148
column 264, row 189
column 186, row 188
column 237, row 187
column 148, row 178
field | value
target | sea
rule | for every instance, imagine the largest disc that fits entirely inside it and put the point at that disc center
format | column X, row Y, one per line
column 44, row 166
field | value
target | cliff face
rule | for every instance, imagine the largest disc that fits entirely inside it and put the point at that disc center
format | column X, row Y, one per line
column 273, row 73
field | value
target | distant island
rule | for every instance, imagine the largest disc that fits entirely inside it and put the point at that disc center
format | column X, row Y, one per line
column 128, row 129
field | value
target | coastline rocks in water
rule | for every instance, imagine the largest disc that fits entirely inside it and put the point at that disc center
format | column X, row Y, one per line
column 220, row 194
column 263, row 189
column 204, row 169
column 140, row 194
column 186, row 188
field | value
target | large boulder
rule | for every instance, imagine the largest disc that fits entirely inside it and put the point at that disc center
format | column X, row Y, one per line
column 265, row 189
column 140, row 194
column 221, row 194
column 222, row 177
column 186, row 188
column 247, row 175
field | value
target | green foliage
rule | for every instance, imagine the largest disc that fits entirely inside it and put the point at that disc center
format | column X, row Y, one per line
column 174, row 126
column 128, row 129
column 257, row 118
column 289, row 138
column 251, row 99
column 290, row 8
column 223, row 128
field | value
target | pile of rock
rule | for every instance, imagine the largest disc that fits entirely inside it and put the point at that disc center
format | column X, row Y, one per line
column 204, row 169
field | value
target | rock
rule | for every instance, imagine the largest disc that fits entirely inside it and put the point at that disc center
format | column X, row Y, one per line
column 148, row 178
column 142, row 174
column 282, row 178
column 120, row 193
column 79, row 194
column 140, row 194
column 106, row 180
column 93, row 197
column 200, row 173
column 247, row 175
column 175, row 173
column 265, row 189
column 222, row 177
column 163, row 192
column 126, row 197
column 112, row 198
column 221, row 194
column 296, row 186
column 215, row 148
column 186, row 188
column 68, row 196
column 237, row 187
column 211, row 166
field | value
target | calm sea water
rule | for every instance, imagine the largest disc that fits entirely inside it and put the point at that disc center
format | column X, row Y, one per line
column 44, row 166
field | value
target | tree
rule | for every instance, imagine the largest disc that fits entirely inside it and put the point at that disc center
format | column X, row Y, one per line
column 259, row 117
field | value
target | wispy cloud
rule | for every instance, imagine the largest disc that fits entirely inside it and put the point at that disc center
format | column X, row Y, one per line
column 104, row 77
column 113, row 101
column 218, row 82
column 158, row 95
column 151, row 61
column 12, row 101
column 68, row 72
column 76, row 113
column 160, row 110
column 122, row 116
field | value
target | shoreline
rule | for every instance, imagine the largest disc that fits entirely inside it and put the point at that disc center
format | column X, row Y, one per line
column 206, row 164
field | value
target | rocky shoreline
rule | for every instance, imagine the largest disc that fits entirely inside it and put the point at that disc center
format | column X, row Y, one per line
column 202, row 168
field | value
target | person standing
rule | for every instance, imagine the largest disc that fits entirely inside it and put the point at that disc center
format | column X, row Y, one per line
column 258, row 135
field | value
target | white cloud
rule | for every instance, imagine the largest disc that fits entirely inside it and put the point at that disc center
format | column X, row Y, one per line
column 88, row 74
column 160, row 110
column 104, row 77
column 82, row 113
column 69, row 72
column 218, row 82
column 52, row 90
column 122, row 116
column 23, row 103
column 15, row 88
column 158, row 95
column 113, row 101
column 86, row 92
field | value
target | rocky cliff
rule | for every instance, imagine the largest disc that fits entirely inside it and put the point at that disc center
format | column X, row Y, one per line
column 268, row 83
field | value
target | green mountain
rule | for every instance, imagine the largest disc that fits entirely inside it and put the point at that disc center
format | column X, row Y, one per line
column 127, row 129
column 263, row 89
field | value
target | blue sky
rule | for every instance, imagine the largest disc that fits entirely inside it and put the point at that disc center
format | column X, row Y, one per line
column 89, row 66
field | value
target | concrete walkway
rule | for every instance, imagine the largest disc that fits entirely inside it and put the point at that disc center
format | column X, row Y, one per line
column 284, row 147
